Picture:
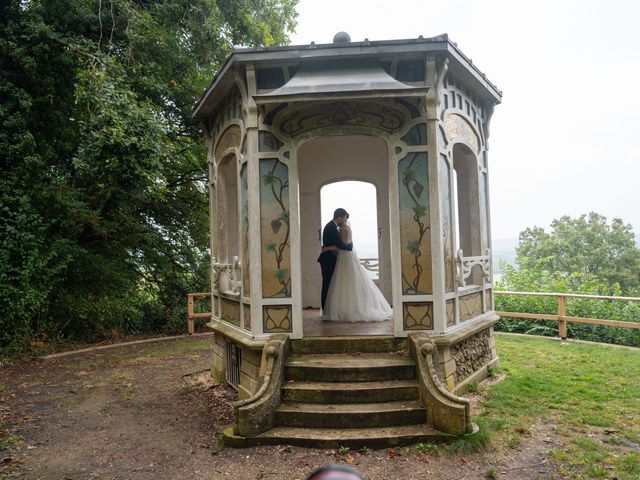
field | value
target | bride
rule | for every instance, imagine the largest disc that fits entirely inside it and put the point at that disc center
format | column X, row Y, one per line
column 353, row 297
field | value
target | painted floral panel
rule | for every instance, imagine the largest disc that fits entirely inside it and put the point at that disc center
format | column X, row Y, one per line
column 415, row 226
column 275, row 229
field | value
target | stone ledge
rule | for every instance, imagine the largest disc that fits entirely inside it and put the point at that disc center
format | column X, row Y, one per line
column 238, row 338
column 470, row 328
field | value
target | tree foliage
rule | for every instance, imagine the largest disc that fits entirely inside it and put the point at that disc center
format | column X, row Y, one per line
column 586, row 245
column 584, row 255
column 103, row 201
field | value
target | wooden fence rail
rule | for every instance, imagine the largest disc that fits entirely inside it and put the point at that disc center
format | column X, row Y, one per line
column 561, row 316
column 191, row 315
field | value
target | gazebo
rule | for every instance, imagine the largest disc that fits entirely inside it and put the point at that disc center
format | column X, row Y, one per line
column 411, row 117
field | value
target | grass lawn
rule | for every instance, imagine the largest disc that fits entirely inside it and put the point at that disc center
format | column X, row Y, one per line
column 588, row 394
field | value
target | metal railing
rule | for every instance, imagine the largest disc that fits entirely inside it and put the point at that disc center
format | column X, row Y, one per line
column 371, row 265
column 561, row 315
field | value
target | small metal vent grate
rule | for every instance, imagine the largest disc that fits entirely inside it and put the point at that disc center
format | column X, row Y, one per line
column 232, row 357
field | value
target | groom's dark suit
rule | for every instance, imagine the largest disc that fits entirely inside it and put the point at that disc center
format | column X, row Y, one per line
column 330, row 236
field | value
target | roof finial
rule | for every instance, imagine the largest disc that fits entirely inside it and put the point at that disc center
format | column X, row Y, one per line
column 342, row 37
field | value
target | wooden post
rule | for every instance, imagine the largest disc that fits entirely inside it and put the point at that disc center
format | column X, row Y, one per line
column 562, row 313
column 190, row 322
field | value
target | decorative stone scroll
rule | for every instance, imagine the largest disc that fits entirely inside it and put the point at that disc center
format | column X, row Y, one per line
column 466, row 264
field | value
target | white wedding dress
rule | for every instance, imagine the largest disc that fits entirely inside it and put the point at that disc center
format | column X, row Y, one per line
column 353, row 297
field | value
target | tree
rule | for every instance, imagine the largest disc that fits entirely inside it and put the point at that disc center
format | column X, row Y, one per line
column 103, row 169
column 587, row 245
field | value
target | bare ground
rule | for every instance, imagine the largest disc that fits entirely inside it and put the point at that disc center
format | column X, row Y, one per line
column 150, row 411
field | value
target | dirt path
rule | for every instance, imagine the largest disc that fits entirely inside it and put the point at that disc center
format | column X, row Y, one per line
column 149, row 411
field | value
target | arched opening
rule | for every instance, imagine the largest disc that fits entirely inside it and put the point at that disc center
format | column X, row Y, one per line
column 336, row 162
column 466, row 204
column 228, row 209
column 360, row 200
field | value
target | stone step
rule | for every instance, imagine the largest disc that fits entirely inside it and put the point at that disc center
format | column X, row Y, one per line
column 350, row 415
column 367, row 367
column 350, row 392
column 381, row 437
column 348, row 344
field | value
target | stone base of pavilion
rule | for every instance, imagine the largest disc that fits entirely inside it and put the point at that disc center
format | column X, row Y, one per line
column 341, row 388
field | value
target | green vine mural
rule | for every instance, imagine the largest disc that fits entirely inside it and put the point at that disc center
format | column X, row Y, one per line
column 414, row 198
column 275, row 202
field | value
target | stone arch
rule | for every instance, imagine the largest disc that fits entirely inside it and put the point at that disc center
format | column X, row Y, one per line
column 467, row 201
column 322, row 160
column 227, row 203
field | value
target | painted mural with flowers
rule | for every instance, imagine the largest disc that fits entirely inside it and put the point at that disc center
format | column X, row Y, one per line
column 415, row 225
column 275, row 229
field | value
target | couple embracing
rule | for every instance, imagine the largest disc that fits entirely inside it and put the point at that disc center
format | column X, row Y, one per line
column 348, row 293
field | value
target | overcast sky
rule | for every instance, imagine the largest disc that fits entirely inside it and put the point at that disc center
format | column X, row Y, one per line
column 565, row 139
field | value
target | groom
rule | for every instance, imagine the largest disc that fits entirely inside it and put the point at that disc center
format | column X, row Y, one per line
column 328, row 258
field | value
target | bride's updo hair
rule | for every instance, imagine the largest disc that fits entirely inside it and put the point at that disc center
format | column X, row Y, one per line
column 340, row 212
